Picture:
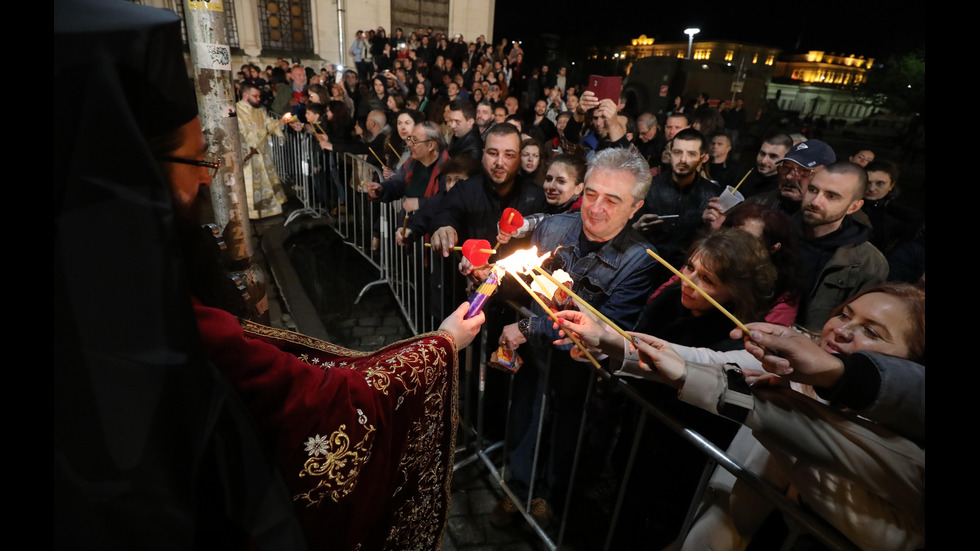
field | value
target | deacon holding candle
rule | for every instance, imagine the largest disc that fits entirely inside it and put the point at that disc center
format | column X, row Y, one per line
column 263, row 190
column 611, row 271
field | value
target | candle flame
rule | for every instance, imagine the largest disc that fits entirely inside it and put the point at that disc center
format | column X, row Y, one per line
column 547, row 288
column 521, row 261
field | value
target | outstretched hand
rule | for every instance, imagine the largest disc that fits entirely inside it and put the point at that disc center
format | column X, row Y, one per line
column 589, row 331
column 790, row 354
column 373, row 189
column 657, row 355
column 443, row 240
column 463, row 330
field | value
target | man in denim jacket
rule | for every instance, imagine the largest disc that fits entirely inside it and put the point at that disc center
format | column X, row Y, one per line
column 611, row 270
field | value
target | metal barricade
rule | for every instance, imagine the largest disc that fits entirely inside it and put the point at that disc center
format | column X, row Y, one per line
column 328, row 185
column 799, row 520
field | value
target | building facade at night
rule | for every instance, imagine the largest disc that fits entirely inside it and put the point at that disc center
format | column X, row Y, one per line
column 815, row 82
column 317, row 33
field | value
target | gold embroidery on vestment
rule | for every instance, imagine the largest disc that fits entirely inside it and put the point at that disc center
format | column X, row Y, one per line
column 335, row 463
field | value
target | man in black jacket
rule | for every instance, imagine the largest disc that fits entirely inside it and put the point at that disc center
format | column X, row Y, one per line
column 671, row 213
column 466, row 134
column 473, row 207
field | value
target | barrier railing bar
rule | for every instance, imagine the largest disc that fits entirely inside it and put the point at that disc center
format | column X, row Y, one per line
column 634, row 449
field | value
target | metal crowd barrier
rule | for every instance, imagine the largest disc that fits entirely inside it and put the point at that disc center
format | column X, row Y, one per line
column 328, row 184
column 494, row 456
column 413, row 274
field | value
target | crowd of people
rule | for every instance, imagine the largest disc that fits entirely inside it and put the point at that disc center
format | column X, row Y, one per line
column 826, row 390
column 468, row 130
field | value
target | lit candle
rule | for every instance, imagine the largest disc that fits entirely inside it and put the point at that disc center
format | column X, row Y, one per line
column 554, row 318
column 581, row 301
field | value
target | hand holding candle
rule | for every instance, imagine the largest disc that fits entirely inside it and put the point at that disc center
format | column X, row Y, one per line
column 463, row 327
column 521, row 261
column 477, row 251
column 582, row 302
column 483, row 292
column 373, row 189
column 510, row 222
column 589, row 330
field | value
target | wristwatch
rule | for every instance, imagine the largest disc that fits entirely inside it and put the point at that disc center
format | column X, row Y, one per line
column 524, row 326
column 737, row 402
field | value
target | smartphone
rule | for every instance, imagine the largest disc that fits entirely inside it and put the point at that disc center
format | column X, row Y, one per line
column 605, row 87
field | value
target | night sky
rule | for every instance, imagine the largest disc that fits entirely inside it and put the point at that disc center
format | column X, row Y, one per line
column 872, row 29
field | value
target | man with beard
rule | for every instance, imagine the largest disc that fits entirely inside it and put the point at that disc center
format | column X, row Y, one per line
column 165, row 411
column 671, row 213
column 484, row 118
column 471, row 210
column 473, row 207
column 262, row 187
column 837, row 259
column 539, row 118
column 763, row 178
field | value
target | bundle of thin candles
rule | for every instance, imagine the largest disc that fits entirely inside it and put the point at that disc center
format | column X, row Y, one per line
column 531, row 268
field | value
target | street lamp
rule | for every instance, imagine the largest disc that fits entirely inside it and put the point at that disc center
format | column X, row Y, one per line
column 690, row 38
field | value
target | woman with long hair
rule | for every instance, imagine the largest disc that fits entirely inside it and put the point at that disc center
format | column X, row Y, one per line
column 563, row 183
column 405, row 122
column 318, row 94
column 340, row 128
column 730, row 265
column 533, row 160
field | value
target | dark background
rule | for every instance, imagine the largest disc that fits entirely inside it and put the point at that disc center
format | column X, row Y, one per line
column 571, row 28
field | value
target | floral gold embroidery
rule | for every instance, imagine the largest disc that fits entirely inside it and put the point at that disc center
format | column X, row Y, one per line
column 336, row 463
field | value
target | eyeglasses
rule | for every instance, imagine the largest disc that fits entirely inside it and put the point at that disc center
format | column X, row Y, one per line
column 799, row 171
column 412, row 141
column 212, row 161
